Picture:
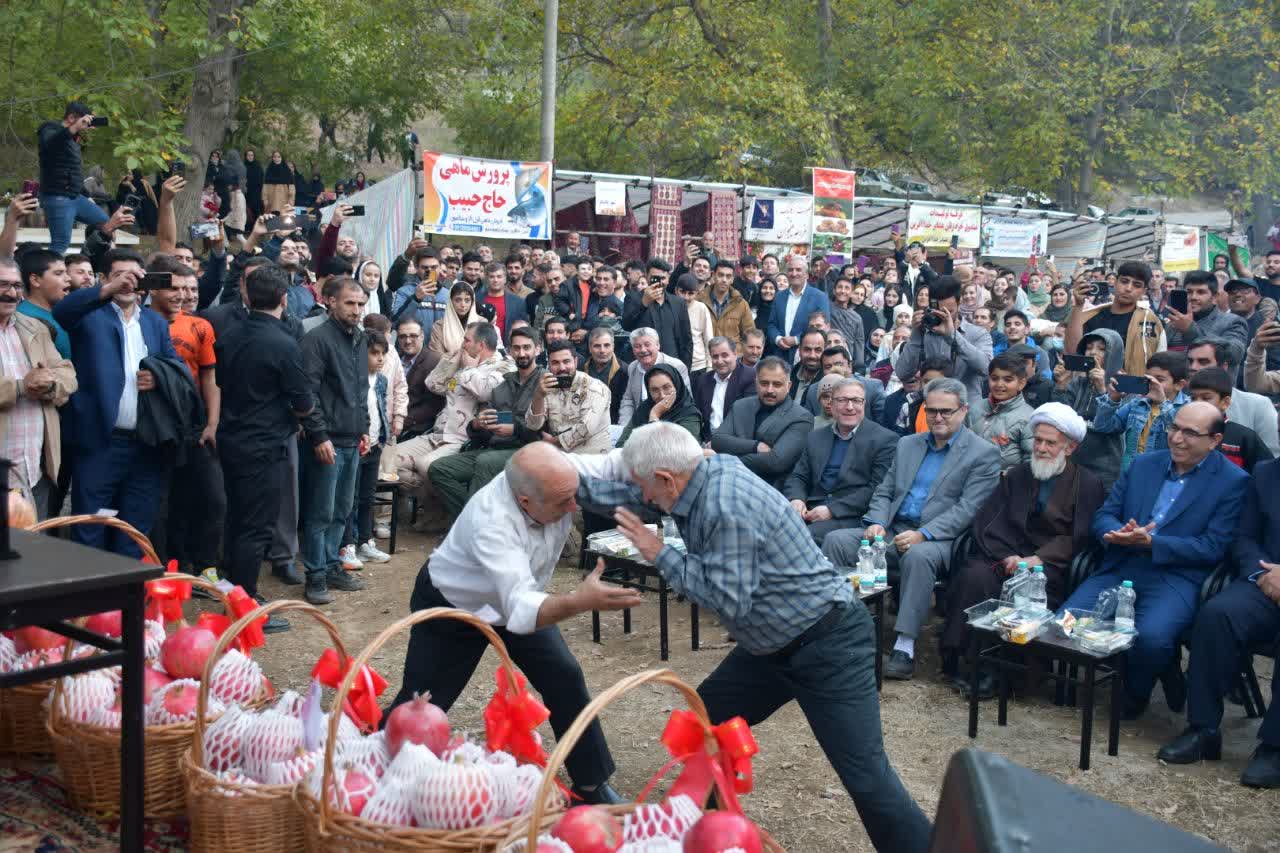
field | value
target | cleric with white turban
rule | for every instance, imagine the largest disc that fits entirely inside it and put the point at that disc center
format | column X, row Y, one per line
column 1061, row 417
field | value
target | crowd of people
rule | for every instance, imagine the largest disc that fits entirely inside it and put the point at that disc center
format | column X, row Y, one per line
column 242, row 406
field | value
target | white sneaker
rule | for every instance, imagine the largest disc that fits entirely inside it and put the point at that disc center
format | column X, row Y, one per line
column 350, row 562
column 382, row 531
column 369, row 552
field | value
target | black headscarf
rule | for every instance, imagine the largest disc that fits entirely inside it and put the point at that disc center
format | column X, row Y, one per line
column 681, row 409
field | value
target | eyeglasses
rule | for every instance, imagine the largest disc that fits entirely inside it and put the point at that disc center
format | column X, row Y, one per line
column 848, row 401
column 1186, row 433
column 945, row 414
column 10, row 285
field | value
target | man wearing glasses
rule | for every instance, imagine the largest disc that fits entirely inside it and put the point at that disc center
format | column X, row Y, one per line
column 1167, row 523
column 841, row 466
column 929, row 496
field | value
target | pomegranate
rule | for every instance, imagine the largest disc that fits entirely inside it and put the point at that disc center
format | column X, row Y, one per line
column 176, row 703
column 36, row 659
column 719, row 831
column 107, row 624
column 153, row 680
column 354, row 791
column 420, row 722
column 185, row 653
column 180, row 700
column 589, row 829
column 33, row 637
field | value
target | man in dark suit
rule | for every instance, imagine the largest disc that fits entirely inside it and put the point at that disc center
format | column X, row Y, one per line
column 1244, row 615
column 728, row 381
column 111, row 333
column 842, row 464
column 1168, row 521
column 791, row 309
column 507, row 307
column 418, row 362
column 654, row 308
column 766, row 431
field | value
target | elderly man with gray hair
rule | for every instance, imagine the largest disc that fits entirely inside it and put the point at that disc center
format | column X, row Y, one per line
column 496, row 563
column 645, row 347
column 936, row 483
column 801, row 633
column 1040, row 514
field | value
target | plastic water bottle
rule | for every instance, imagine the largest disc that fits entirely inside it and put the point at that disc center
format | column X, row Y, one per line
column 1125, row 597
column 1015, row 588
column 1037, row 593
column 866, row 567
column 879, row 547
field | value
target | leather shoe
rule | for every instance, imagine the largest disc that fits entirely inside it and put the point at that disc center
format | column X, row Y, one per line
column 287, row 573
column 986, row 686
column 317, row 591
column 274, row 624
column 1174, row 683
column 603, row 794
column 343, row 581
column 899, row 666
column 1263, row 770
column 1191, row 746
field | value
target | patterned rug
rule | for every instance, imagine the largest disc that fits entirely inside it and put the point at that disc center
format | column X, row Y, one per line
column 36, row 815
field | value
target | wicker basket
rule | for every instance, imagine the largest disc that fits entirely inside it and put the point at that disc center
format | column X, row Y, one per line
column 226, row 816
column 328, row 829
column 537, row 821
column 23, row 718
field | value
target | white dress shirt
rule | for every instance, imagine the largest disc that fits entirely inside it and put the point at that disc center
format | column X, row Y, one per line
column 793, row 308
column 717, row 400
column 135, row 350
column 496, row 561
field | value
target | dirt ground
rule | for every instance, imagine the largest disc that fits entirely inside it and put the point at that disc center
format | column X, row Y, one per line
column 798, row 797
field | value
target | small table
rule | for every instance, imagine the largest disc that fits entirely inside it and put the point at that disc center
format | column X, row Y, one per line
column 53, row 580
column 391, row 487
column 620, row 569
column 1050, row 645
column 874, row 600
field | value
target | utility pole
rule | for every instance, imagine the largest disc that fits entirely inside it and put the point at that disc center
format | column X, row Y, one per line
column 550, row 27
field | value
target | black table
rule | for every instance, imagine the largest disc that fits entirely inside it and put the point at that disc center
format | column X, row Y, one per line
column 1098, row 668
column 874, row 602
column 634, row 572
column 53, row 580
column 391, row 488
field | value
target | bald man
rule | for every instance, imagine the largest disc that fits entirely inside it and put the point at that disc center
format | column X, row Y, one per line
column 496, row 563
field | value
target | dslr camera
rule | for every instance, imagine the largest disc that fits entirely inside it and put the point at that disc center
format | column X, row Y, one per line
column 933, row 317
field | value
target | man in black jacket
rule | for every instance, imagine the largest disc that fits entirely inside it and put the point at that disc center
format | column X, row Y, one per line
column 62, row 176
column 654, row 308
column 335, row 357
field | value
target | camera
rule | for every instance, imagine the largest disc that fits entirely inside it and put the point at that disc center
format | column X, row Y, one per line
column 932, row 318
column 564, row 380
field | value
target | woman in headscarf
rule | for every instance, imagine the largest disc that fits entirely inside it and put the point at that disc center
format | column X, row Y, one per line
column 969, row 301
column 826, row 385
column 216, row 174
column 448, row 331
column 369, row 275
column 764, row 302
column 1059, row 307
column 668, row 400
column 892, row 298
column 1037, row 294
column 277, row 186
column 252, row 186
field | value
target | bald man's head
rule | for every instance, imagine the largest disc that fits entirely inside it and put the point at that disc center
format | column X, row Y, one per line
column 1197, row 431
column 543, row 482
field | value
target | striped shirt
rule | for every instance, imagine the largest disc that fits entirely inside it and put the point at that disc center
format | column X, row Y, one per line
column 750, row 557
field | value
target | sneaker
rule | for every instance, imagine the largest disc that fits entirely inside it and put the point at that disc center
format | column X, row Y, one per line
column 343, row 582
column 369, row 552
column 211, row 575
column 317, row 591
column 274, row 624
column 347, row 557
column 382, row 531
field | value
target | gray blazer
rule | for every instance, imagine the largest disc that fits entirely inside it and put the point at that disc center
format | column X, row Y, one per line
column 635, row 393
column 969, row 351
column 970, row 472
column 875, row 398
column 784, row 430
column 866, row 462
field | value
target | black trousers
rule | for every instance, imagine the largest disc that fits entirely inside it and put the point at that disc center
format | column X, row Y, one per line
column 833, row 678
column 1228, row 626
column 193, row 516
column 254, row 488
column 443, row 655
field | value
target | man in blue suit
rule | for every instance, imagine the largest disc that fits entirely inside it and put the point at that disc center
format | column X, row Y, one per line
column 1167, row 522
column 111, row 333
column 1244, row 615
column 791, row 310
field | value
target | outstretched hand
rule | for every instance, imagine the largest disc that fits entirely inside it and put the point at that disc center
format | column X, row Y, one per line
column 595, row 594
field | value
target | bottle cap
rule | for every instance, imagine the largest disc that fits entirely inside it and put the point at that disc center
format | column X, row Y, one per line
column 1128, row 584
column 1022, row 564
column 879, row 538
column 1039, row 569
column 866, row 542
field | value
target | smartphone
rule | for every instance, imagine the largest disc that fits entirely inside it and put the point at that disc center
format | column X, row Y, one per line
column 895, row 230
column 505, row 418
column 1178, row 301
column 282, row 223
column 98, row 121
column 356, row 210
column 156, row 281
column 133, row 201
column 1078, row 363
column 177, row 167
column 955, row 241
column 30, row 188
column 1133, row 384
column 205, row 230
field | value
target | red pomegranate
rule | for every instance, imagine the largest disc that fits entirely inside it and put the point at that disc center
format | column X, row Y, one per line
column 357, row 788
column 420, row 722
column 589, row 829
column 33, row 638
column 108, row 624
column 152, row 680
column 186, row 651
column 180, row 701
column 719, row 831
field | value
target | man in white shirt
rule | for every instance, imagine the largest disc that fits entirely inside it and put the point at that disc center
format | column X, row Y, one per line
column 496, row 563
column 728, row 381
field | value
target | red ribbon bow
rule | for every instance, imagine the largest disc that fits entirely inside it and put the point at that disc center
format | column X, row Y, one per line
column 686, row 739
column 165, row 597
column 361, row 704
column 511, row 718
column 240, row 605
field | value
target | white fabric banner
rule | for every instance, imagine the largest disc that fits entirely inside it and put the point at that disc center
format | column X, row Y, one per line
column 387, row 226
column 779, row 220
column 1013, row 236
column 611, row 198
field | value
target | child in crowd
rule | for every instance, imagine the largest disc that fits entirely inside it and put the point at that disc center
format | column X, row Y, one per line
column 1240, row 444
column 360, row 522
column 904, row 408
column 1145, row 419
column 1100, row 452
column 1017, row 330
column 1001, row 417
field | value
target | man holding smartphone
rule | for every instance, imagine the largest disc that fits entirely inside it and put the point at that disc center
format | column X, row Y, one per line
column 62, row 175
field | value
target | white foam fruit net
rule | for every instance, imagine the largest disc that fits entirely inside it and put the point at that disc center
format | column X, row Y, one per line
column 222, row 740
column 158, row 715
column 390, row 804
column 455, row 796
column 411, row 763
column 546, row 844
column 83, row 696
column 657, row 845
column 351, row 790
column 368, row 754
column 670, row 819
column 8, row 653
column 152, row 639
column 236, row 678
column 516, row 787
column 294, row 769
column 269, row 738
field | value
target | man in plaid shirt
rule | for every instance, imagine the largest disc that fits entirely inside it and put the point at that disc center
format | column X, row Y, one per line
column 801, row 633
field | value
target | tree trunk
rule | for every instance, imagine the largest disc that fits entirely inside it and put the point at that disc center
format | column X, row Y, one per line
column 1093, row 137
column 1263, row 215
column 215, row 90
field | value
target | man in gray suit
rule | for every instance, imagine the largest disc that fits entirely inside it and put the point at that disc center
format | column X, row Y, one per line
column 841, row 466
column 939, row 332
column 836, row 360
column 644, row 346
column 767, row 431
column 937, row 482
